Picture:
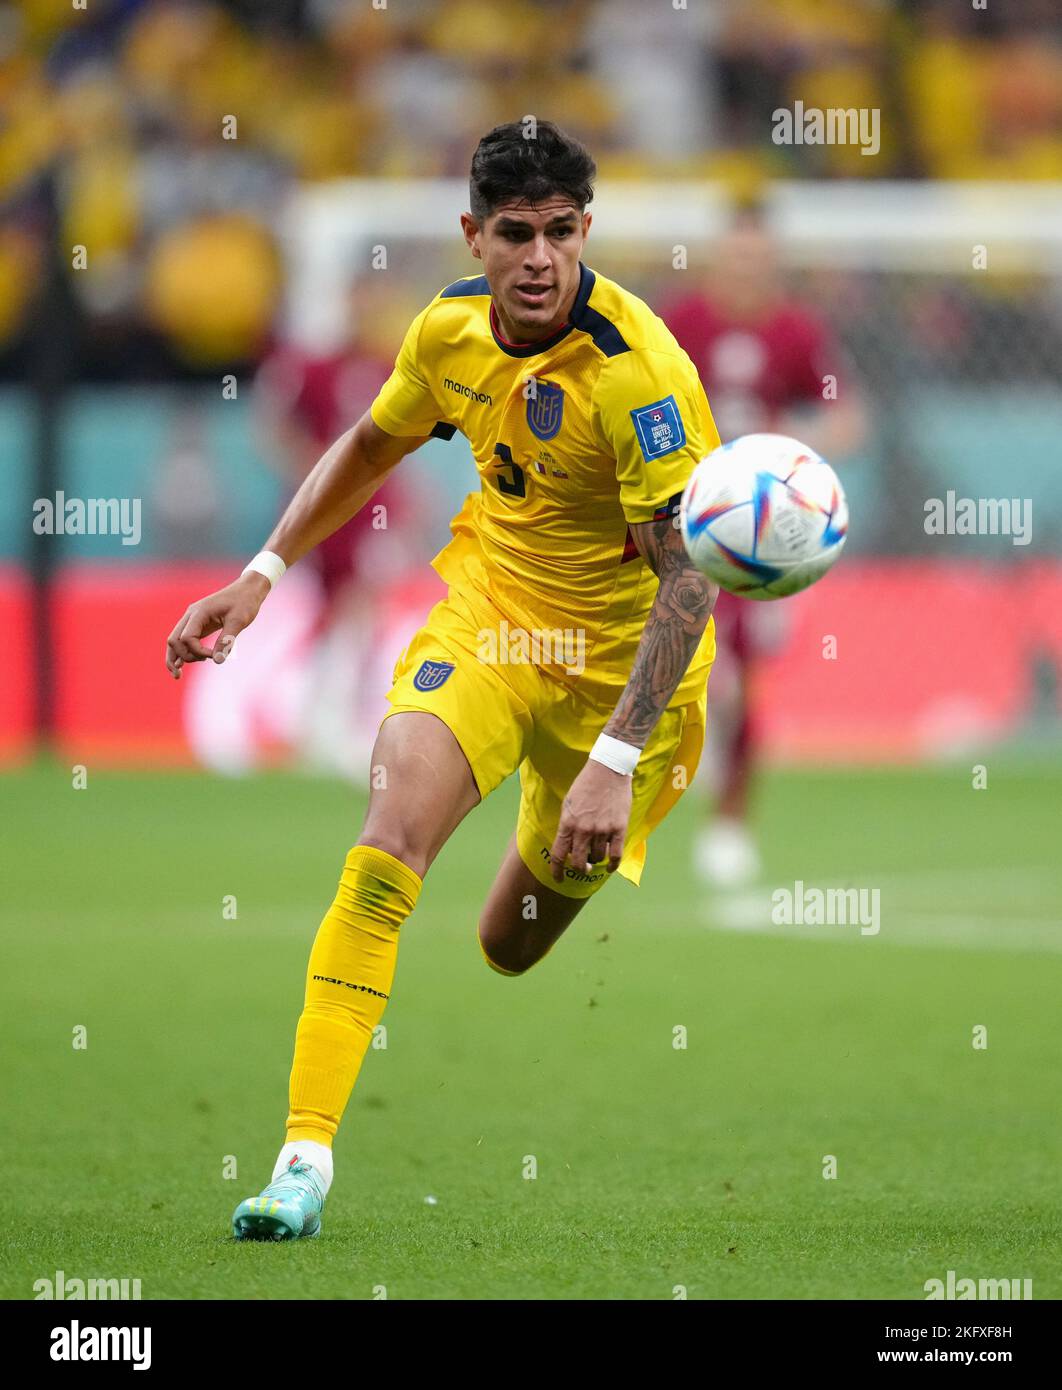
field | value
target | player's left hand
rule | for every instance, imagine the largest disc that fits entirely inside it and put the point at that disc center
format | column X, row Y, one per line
column 593, row 820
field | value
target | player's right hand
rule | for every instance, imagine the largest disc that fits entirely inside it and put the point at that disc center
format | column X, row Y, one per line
column 231, row 609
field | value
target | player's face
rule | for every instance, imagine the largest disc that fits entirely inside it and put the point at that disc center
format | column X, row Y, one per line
column 530, row 257
column 744, row 274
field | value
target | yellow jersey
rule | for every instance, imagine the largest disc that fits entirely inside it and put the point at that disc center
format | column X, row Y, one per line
column 575, row 437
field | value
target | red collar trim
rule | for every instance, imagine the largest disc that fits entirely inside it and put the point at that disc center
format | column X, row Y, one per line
column 495, row 329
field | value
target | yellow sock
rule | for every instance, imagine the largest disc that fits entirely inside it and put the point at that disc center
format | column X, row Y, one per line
column 348, row 980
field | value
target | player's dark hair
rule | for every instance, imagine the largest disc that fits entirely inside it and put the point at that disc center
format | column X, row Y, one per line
column 530, row 160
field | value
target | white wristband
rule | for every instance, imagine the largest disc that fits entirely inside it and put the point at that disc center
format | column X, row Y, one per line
column 614, row 753
column 268, row 564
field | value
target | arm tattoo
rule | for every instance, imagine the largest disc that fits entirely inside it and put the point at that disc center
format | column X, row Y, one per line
column 679, row 615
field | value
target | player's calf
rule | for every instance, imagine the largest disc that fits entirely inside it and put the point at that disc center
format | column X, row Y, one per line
column 522, row 918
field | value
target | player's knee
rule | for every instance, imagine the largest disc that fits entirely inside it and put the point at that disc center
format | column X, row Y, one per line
column 502, row 953
column 394, row 841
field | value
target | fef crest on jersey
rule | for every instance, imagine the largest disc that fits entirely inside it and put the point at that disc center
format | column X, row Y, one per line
column 432, row 674
column 545, row 409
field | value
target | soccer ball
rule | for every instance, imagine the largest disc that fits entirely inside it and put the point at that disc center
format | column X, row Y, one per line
column 763, row 516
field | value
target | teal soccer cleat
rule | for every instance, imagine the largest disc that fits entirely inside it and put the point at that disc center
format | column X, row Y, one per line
column 288, row 1208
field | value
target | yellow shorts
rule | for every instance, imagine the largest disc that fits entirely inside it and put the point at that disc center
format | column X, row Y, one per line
column 509, row 715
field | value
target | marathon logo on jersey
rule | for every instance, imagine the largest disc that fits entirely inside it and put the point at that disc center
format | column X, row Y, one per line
column 659, row 428
column 545, row 409
column 432, row 674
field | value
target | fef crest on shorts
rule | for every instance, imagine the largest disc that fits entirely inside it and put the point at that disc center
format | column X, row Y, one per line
column 432, row 674
column 545, row 410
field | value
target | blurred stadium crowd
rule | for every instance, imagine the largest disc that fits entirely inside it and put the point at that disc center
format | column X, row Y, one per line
column 112, row 118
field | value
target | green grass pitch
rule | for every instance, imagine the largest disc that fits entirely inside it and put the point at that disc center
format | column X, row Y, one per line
column 657, row 1166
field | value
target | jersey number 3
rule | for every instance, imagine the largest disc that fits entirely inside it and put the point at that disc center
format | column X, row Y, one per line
column 516, row 484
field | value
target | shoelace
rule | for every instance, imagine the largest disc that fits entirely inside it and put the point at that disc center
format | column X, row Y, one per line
column 286, row 1182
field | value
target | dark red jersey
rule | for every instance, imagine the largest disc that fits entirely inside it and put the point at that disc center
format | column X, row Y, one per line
column 326, row 396
column 753, row 372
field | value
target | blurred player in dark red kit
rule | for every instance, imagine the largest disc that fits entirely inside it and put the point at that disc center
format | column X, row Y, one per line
column 305, row 401
column 768, row 365
column 351, row 607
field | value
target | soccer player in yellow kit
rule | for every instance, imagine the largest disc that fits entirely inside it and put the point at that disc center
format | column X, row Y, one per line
column 575, row 640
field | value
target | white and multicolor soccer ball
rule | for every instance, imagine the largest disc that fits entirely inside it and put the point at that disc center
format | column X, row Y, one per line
column 764, row 516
